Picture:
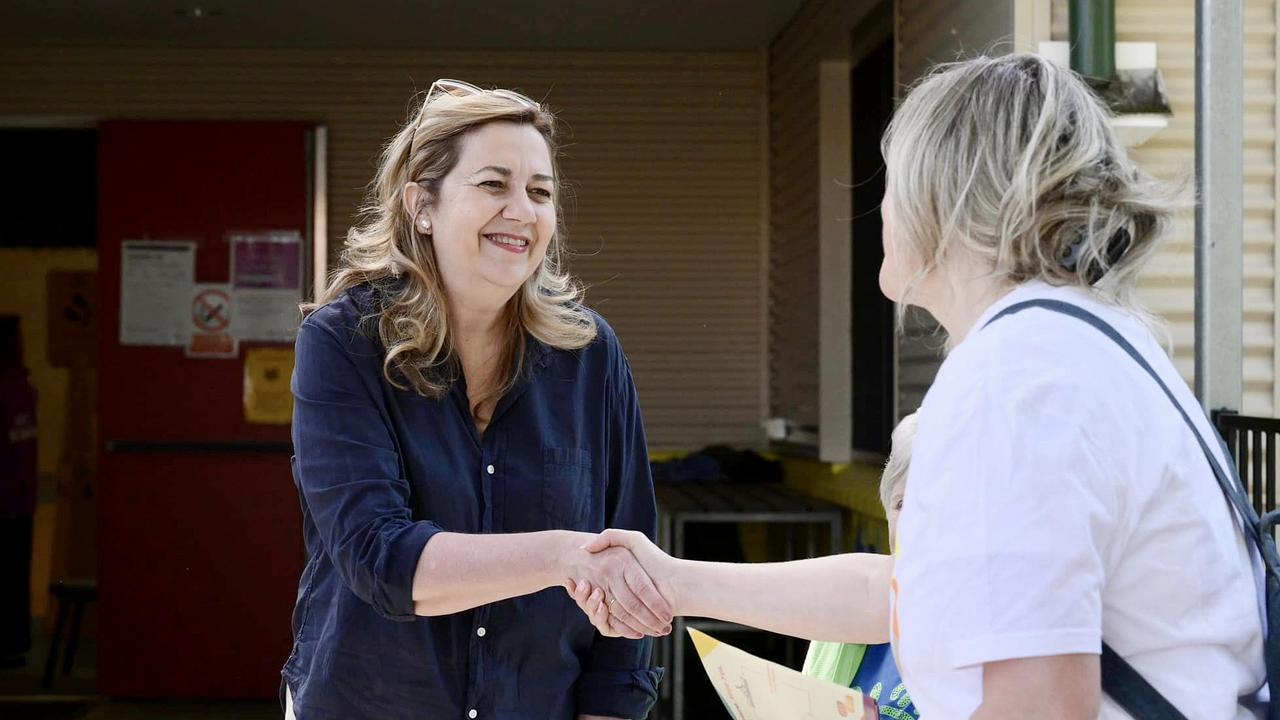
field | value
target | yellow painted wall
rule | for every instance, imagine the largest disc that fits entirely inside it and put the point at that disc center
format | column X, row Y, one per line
column 855, row 486
column 22, row 292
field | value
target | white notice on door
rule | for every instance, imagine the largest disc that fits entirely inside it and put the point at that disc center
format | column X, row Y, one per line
column 266, row 271
column 155, row 292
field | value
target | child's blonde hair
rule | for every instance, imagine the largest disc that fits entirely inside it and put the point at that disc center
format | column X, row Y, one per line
column 895, row 470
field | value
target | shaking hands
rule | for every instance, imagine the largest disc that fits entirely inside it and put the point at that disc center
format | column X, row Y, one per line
column 624, row 584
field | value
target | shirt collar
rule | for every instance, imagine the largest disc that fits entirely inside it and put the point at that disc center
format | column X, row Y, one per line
column 1026, row 291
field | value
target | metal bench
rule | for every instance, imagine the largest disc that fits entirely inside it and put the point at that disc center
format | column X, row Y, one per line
column 681, row 504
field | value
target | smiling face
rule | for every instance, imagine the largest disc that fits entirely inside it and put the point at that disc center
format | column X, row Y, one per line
column 495, row 213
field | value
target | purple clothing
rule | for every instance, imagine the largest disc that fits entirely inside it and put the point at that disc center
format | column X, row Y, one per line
column 17, row 445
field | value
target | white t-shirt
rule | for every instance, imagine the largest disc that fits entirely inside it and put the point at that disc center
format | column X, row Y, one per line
column 1056, row 498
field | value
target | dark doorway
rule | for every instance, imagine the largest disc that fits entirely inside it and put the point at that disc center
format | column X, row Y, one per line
column 871, row 100
column 48, row 198
column 48, row 191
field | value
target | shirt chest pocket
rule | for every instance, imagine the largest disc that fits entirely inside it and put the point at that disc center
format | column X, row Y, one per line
column 567, row 487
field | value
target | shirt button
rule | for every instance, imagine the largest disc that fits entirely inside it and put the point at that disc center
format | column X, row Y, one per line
column 490, row 471
column 472, row 714
column 480, row 632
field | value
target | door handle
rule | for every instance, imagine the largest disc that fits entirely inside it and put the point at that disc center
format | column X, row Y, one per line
column 186, row 447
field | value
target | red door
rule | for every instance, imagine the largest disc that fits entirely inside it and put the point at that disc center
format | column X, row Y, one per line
column 200, row 536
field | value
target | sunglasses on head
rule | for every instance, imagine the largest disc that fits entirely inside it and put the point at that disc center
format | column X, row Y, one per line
column 458, row 88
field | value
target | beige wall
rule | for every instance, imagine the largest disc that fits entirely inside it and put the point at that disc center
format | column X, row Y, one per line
column 1169, row 285
column 820, row 31
column 665, row 152
column 925, row 31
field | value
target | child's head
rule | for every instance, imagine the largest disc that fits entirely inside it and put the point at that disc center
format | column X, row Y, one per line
column 893, row 481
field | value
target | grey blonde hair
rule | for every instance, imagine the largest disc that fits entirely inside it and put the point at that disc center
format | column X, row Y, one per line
column 386, row 251
column 895, row 470
column 1014, row 159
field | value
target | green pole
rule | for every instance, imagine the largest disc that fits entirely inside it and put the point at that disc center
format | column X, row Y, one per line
column 1093, row 39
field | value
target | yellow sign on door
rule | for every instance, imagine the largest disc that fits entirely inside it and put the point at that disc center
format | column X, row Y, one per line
column 267, row 398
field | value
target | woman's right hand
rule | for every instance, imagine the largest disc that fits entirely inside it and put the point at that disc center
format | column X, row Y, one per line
column 657, row 566
column 591, row 601
column 627, row 594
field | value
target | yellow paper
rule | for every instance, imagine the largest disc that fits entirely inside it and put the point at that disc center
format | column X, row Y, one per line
column 755, row 689
column 267, row 397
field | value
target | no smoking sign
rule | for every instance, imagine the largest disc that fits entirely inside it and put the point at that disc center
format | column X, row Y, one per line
column 212, row 334
column 211, row 310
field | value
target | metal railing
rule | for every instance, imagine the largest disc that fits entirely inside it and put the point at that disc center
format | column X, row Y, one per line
column 1252, row 443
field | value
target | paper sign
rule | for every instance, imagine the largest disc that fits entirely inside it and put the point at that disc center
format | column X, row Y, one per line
column 267, row 397
column 212, row 345
column 755, row 689
column 212, row 333
column 266, row 274
column 155, row 288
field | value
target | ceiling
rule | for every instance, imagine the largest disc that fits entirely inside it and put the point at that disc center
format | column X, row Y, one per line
column 374, row 24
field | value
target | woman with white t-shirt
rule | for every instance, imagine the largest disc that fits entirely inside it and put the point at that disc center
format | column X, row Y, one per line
column 1058, row 499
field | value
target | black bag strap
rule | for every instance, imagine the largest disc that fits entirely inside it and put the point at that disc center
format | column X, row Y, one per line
column 1131, row 691
column 1230, row 485
column 1120, row 680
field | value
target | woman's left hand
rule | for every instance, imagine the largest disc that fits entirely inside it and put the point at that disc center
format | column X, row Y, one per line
column 591, row 601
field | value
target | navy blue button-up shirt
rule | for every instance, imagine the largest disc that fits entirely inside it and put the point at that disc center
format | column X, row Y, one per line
column 380, row 470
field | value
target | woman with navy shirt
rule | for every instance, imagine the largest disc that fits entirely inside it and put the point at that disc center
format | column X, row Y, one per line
column 460, row 424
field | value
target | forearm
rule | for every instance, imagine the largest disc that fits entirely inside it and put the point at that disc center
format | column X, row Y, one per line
column 459, row 571
column 841, row 598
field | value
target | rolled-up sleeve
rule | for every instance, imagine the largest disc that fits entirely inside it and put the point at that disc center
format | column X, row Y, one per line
column 349, row 471
column 617, row 679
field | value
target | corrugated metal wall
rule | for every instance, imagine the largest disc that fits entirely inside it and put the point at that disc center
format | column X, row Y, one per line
column 793, row 218
column 930, row 32
column 820, row 31
column 1168, row 287
column 926, row 31
column 665, row 152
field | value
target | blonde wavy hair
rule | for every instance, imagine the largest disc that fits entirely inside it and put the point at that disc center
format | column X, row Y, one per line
column 1015, row 160
column 385, row 251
